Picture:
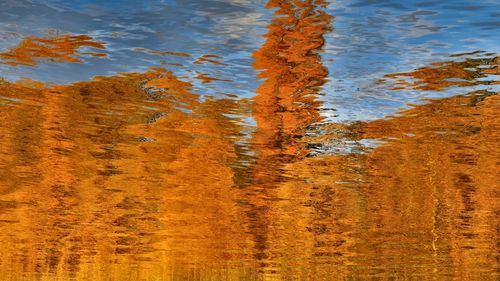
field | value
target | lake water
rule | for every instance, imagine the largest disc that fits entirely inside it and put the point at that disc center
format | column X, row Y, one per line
column 249, row 140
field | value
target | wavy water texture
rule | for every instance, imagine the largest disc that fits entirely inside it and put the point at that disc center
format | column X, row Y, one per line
column 56, row 49
column 184, row 168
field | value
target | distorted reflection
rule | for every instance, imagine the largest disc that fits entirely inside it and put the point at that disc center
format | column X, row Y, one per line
column 63, row 48
column 441, row 75
column 122, row 170
column 180, row 174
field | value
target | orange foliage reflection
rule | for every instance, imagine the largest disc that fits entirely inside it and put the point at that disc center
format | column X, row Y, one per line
column 135, row 177
column 59, row 49
column 285, row 105
column 442, row 75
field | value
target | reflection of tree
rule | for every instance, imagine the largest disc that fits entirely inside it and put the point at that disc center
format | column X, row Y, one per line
column 423, row 203
column 59, row 48
column 286, row 102
column 285, row 105
column 118, row 171
column 133, row 176
column 63, row 214
column 431, row 189
column 441, row 75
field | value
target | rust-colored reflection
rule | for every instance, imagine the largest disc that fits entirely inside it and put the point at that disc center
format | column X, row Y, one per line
column 432, row 190
column 135, row 177
column 285, row 105
column 124, row 178
column 213, row 59
column 441, row 75
column 63, row 48
column 423, row 205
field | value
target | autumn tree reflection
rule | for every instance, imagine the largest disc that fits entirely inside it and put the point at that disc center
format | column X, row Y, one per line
column 108, row 173
column 285, row 105
column 57, row 48
column 422, row 202
column 430, row 190
column 441, row 75
column 137, row 176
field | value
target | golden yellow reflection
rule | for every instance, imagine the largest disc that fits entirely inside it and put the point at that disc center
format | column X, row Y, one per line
column 122, row 176
column 135, row 177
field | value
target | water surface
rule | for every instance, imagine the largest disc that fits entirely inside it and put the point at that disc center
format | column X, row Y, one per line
column 249, row 140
